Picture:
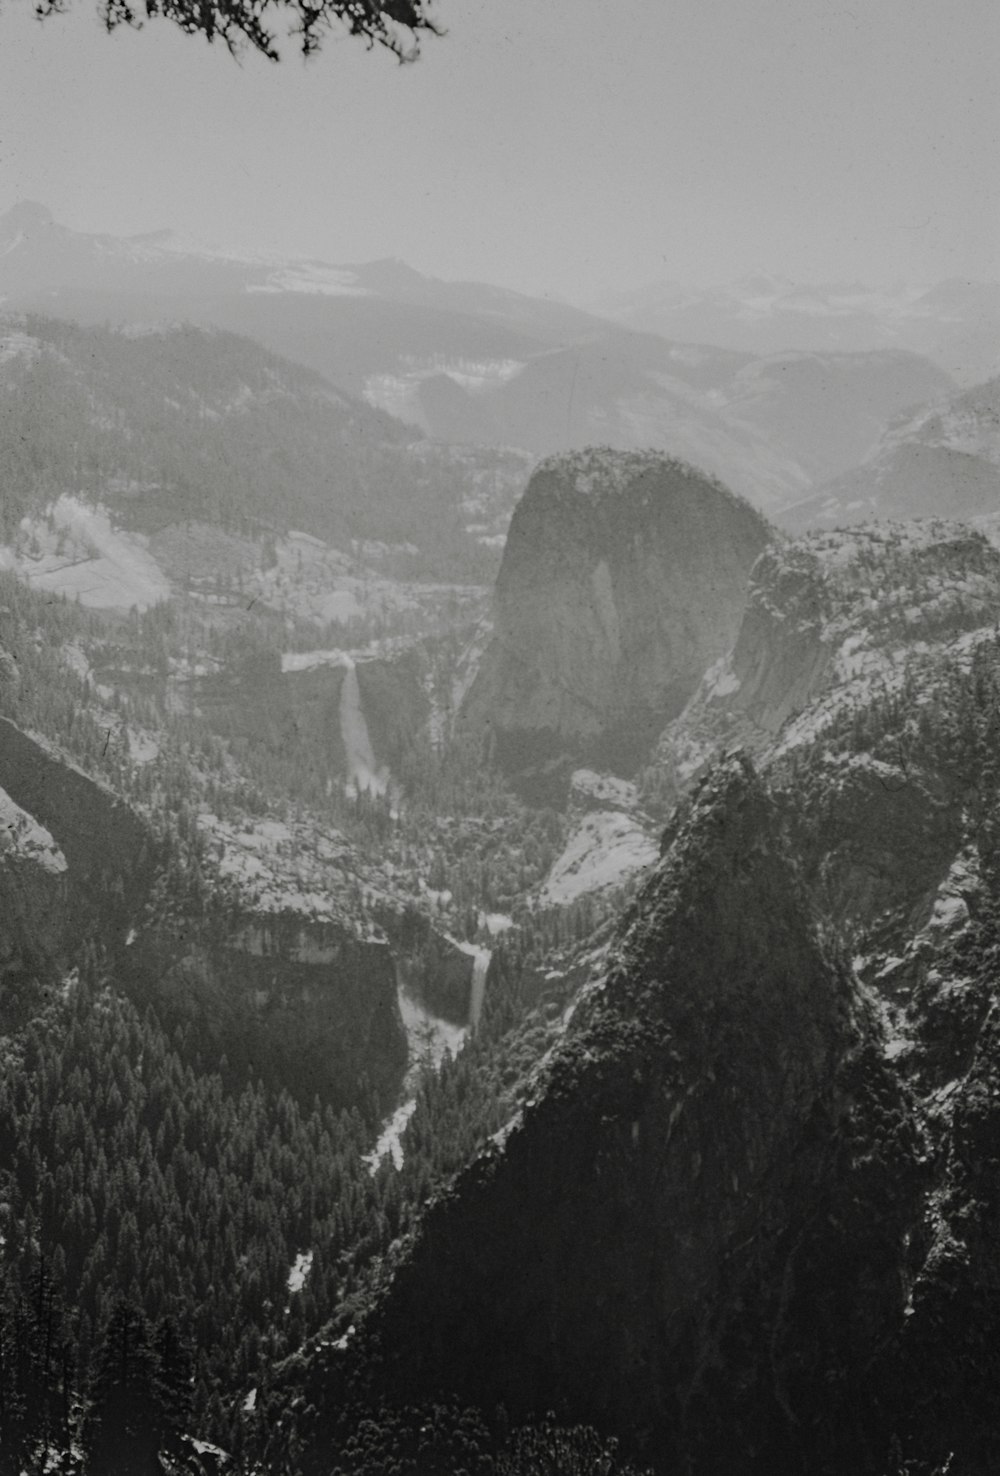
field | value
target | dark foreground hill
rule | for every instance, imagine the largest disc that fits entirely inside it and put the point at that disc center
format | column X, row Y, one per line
column 695, row 1233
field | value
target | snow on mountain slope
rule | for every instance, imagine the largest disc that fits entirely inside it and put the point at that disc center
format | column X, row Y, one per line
column 311, row 277
column 475, row 365
column 833, row 620
column 14, row 344
column 955, row 323
column 183, row 425
column 322, row 583
column 275, row 866
column 605, row 849
column 76, row 551
column 609, row 844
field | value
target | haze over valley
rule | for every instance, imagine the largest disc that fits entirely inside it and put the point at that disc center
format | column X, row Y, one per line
column 500, row 845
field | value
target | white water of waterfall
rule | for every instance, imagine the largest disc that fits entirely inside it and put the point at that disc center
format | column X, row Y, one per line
column 430, row 1039
column 362, row 770
column 480, row 964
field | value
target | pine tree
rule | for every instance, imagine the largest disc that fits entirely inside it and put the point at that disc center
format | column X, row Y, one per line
column 126, row 1425
column 174, row 1379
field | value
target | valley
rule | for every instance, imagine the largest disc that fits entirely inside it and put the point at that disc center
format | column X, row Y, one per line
column 499, row 866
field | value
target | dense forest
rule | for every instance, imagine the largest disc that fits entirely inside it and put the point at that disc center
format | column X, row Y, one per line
column 181, row 425
column 173, row 1225
column 453, row 820
column 168, row 1236
column 182, row 1222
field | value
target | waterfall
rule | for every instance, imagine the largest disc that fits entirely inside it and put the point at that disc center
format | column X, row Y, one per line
column 480, row 965
column 429, row 1039
column 362, row 769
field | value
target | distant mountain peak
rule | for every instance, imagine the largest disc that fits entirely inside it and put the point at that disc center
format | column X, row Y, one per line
column 765, row 284
column 24, row 218
column 387, row 273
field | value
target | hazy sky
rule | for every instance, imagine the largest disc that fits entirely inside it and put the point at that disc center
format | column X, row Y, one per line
column 560, row 145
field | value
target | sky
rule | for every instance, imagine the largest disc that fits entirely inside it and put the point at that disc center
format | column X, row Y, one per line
column 570, row 147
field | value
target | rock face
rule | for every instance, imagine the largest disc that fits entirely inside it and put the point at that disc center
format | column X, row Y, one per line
column 34, row 898
column 301, row 710
column 693, row 1233
column 433, row 968
column 303, row 1004
column 833, row 684
column 623, row 578
column 831, row 620
column 77, row 861
column 748, row 1218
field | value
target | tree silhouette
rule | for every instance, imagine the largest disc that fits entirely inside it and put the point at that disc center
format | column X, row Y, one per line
column 393, row 24
column 126, row 1425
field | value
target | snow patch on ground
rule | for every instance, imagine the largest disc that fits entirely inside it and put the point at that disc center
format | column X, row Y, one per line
column 311, row 277
column 15, row 345
column 23, row 837
column 205, row 1447
column 476, row 375
column 603, row 791
column 292, row 661
column 281, row 867
column 390, row 1138
column 494, row 922
column 720, row 680
column 143, row 746
column 324, row 584
column 301, row 1267
column 76, row 551
column 399, row 393
column 605, row 849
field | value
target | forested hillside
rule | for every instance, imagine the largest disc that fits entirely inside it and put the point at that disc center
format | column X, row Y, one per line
column 163, row 1174
column 290, row 974
column 180, row 425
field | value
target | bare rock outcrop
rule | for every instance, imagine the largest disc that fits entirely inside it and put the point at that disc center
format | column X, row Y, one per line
column 623, row 578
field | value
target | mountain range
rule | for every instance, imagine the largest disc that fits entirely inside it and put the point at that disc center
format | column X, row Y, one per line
column 498, row 934
column 944, row 459
column 956, row 323
column 473, row 364
column 748, row 1187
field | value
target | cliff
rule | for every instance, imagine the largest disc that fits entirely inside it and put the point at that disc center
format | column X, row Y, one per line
column 75, row 865
column 693, row 1233
column 623, row 578
column 34, row 906
column 433, row 968
column 307, row 708
column 108, row 848
column 832, row 620
column 304, row 1004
